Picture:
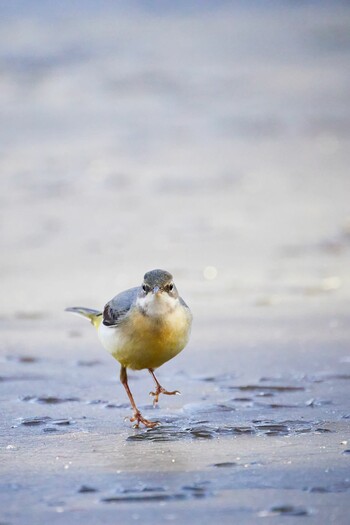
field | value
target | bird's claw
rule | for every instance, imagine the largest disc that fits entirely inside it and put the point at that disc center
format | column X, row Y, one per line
column 138, row 418
column 156, row 398
column 162, row 390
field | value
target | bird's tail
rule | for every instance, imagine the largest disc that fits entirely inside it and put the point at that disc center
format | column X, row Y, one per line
column 94, row 316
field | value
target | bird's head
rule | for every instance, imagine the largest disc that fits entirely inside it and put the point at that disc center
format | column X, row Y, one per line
column 158, row 294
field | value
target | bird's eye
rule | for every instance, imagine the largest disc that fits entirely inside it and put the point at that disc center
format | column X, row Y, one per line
column 145, row 288
column 170, row 287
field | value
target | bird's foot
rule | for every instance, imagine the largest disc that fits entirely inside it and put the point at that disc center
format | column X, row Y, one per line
column 161, row 390
column 138, row 418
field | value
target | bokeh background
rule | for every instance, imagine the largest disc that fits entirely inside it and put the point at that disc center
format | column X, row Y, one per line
column 211, row 139
column 207, row 138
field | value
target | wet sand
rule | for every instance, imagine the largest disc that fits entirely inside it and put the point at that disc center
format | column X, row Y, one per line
column 212, row 141
column 261, row 429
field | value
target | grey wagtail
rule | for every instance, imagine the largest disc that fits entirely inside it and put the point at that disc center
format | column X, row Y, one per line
column 143, row 327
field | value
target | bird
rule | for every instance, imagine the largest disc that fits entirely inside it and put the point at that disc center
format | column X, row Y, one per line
column 143, row 328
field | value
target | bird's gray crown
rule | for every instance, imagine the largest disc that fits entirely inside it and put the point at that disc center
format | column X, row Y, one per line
column 157, row 278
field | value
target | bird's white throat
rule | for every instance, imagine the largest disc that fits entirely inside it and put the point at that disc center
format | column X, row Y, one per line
column 157, row 305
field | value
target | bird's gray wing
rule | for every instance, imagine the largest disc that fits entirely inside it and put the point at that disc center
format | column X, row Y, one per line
column 115, row 311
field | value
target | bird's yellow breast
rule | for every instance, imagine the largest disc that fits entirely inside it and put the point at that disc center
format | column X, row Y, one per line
column 147, row 342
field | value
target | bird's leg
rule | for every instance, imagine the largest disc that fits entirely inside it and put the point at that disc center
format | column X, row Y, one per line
column 137, row 417
column 159, row 389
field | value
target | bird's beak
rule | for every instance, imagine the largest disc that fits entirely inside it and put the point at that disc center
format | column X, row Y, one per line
column 156, row 290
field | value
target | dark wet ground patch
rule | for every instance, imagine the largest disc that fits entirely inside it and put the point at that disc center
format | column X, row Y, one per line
column 288, row 427
column 171, row 432
column 236, row 430
column 285, row 510
column 325, row 377
column 272, row 429
column 115, row 405
column 87, row 489
column 198, row 489
column 225, row 464
column 35, row 421
column 49, row 400
column 46, row 423
column 143, row 497
column 26, row 359
column 276, row 405
column 215, row 379
column 148, row 493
